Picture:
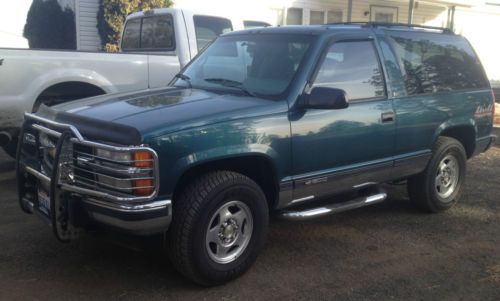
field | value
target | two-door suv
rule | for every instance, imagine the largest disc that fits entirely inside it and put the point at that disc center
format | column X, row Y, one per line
column 299, row 121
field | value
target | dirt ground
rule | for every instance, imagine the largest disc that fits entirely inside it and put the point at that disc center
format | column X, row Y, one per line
column 387, row 251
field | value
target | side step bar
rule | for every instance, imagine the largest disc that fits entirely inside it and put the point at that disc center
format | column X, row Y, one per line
column 302, row 215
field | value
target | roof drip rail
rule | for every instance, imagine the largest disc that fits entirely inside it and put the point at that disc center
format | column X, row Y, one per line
column 404, row 25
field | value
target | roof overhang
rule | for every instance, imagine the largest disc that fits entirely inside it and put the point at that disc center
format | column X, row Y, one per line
column 463, row 3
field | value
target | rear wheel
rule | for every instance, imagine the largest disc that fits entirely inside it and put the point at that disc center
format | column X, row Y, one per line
column 439, row 186
column 219, row 226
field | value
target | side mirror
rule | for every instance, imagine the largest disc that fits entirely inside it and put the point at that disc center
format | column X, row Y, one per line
column 325, row 98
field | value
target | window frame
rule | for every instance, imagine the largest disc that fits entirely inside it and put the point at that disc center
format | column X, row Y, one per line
column 140, row 49
column 321, row 59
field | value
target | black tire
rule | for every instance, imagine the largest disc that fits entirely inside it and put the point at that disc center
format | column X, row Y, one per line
column 193, row 211
column 11, row 148
column 422, row 187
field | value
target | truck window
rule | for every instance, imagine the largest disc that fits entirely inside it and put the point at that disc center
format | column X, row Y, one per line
column 132, row 35
column 437, row 63
column 158, row 33
column 255, row 24
column 207, row 28
column 155, row 33
column 354, row 68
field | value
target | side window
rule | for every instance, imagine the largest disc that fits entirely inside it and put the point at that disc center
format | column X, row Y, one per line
column 158, row 33
column 207, row 28
column 438, row 64
column 354, row 68
column 132, row 35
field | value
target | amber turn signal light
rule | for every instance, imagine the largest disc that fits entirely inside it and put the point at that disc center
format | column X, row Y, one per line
column 143, row 187
column 142, row 159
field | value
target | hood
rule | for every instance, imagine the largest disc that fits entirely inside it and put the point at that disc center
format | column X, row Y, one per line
column 160, row 111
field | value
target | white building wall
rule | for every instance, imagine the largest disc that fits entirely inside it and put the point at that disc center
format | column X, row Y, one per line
column 87, row 35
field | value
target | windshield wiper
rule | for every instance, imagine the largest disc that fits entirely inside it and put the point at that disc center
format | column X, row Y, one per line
column 230, row 83
column 185, row 78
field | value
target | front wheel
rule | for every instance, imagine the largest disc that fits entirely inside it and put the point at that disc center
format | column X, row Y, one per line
column 219, row 226
column 439, row 186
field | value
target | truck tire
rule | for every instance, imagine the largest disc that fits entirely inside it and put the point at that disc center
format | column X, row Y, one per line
column 219, row 225
column 439, row 186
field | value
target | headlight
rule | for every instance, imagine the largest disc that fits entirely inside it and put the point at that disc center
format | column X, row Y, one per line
column 119, row 157
column 126, row 171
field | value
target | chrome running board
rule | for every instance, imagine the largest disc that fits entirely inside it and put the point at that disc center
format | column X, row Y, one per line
column 306, row 214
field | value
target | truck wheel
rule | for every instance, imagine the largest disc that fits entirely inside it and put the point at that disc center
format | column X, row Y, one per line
column 439, row 186
column 218, row 227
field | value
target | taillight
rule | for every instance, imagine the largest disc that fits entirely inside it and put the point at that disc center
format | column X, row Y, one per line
column 143, row 159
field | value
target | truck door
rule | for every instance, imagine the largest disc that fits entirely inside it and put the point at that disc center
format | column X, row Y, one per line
column 336, row 150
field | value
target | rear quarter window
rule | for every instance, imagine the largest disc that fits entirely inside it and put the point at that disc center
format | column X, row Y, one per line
column 150, row 33
column 434, row 63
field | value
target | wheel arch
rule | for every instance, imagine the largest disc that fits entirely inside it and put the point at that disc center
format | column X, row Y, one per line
column 464, row 132
column 258, row 167
column 67, row 90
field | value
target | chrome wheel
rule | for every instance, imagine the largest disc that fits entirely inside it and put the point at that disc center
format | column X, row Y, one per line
column 447, row 176
column 229, row 232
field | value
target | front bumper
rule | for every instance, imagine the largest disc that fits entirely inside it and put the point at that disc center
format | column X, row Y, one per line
column 137, row 219
column 69, row 207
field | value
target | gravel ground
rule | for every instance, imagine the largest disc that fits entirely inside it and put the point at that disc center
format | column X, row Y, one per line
column 388, row 251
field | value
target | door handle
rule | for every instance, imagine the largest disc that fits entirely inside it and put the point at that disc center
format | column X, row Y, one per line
column 388, row 117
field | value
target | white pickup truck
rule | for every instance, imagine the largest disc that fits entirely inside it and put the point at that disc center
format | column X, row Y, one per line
column 155, row 45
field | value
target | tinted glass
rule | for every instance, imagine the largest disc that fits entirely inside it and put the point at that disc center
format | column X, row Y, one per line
column 132, row 35
column 254, row 24
column 157, row 33
column 262, row 64
column 437, row 63
column 354, row 68
column 208, row 28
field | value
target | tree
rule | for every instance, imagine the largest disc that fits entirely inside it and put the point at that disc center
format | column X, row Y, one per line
column 48, row 26
column 112, row 14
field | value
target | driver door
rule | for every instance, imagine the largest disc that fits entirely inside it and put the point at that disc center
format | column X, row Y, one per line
column 343, row 149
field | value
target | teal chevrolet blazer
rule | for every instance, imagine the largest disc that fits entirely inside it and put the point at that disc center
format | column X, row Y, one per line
column 301, row 122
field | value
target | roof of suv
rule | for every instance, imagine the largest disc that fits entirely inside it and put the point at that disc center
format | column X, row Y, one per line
column 351, row 26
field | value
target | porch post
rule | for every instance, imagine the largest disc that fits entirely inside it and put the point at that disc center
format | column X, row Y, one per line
column 410, row 11
column 349, row 10
column 451, row 22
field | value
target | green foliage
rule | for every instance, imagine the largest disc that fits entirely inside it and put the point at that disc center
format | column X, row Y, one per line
column 112, row 14
column 48, row 26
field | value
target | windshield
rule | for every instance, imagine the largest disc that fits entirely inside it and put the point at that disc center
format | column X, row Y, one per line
column 261, row 65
